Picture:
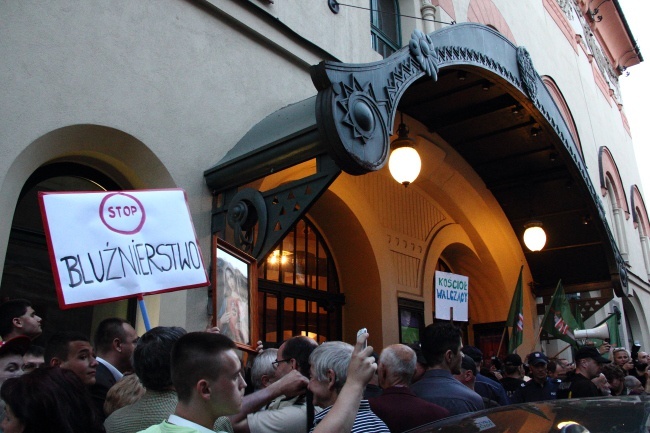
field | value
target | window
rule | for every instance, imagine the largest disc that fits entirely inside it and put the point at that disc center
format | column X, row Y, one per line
column 411, row 320
column 384, row 26
column 299, row 290
column 27, row 270
column 614, row 197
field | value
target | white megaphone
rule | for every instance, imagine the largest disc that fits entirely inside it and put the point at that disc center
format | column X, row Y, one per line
column 601, row 332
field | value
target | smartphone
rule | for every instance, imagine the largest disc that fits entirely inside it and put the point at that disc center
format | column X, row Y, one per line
column 361, row 332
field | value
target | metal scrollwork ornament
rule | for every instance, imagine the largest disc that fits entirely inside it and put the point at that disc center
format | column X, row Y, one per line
column 527, row 72
column 246, row 210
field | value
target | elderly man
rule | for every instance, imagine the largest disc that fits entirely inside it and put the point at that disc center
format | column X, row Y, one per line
column 263, row 370
column 633, row 386
column 398, row 406
column 441, row 345
column 328, row 372
column 540, row 387
column 589, row 364
column 206, row 376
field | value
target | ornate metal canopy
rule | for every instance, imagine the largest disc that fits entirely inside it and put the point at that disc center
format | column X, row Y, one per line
column 463, row 82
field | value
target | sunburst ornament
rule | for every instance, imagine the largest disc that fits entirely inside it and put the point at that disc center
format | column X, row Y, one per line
column 361, row 112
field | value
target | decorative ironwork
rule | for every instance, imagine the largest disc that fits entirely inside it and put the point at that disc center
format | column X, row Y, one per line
column 260, row 220
column 355, row 111
column 527, row 72
column 247, row 209
column 422, row 49
column 361, row 111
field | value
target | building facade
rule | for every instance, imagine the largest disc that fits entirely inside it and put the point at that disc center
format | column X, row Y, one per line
column 276, row 118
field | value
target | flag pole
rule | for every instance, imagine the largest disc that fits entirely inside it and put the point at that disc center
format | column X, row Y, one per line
column 557, row 354
column 515, row 317
column 143, row 310
column 541, row 325
column 502, row 338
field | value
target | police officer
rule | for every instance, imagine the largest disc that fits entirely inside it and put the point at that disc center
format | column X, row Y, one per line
column 540, row 387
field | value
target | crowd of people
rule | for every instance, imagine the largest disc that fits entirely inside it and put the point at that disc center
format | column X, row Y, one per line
column 169, row 380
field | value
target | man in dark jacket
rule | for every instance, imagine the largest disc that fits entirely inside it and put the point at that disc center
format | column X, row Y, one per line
column 540, row 387
column 589, row 364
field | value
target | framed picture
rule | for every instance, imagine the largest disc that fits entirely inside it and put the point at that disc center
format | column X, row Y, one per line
column 234, row 294
column 411, row 320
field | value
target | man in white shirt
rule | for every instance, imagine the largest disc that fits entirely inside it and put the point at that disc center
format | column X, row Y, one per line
column 115, row 341
column 206, row 376
column 285, row 399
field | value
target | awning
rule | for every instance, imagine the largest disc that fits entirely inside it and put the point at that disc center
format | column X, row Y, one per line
column 480, row 93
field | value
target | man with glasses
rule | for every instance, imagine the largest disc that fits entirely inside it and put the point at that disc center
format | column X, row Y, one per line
column 589, row 364
column 284, row 401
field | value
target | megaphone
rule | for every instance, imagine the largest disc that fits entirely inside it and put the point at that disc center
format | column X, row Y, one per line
column 601, row 332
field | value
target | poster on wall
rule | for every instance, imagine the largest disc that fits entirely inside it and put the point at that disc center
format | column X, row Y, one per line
column 106, row 246
column 451, row 296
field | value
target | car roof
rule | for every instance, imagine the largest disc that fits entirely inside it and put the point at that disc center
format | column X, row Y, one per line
column 595, row 415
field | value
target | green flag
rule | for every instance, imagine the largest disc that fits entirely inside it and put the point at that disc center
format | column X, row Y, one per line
column 558, row 320
column 516, row 316
column 612, row 324
column 578, row 316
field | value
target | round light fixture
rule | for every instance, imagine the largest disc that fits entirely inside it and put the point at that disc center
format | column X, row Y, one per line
column 404, row 162
column 534, row 236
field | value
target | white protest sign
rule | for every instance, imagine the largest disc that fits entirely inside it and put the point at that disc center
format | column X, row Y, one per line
column 451, row 291
column 106, row 246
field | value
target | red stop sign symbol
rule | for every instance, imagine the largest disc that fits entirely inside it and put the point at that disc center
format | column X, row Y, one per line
column 122, row 213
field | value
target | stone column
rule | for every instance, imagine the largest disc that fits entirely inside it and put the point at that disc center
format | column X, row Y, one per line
column 428, row 12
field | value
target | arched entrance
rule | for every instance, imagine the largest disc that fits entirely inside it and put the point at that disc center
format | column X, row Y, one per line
column 73, row 158
column 27, row 270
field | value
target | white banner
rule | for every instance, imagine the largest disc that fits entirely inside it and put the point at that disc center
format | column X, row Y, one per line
column 451, row 291
column 106, row 246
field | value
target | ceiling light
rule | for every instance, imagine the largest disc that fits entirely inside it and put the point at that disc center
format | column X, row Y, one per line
column 534, row 236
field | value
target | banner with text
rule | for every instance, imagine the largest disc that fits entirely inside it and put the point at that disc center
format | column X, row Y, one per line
column 451, row 292
column 106, row 246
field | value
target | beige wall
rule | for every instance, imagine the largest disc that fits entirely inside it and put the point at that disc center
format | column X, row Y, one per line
column 154, row 92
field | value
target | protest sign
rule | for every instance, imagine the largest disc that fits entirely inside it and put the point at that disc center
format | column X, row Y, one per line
column 106, row 246
column 451, row 291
